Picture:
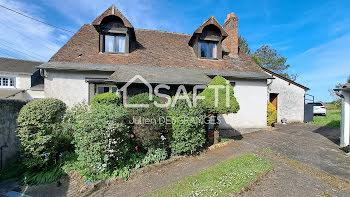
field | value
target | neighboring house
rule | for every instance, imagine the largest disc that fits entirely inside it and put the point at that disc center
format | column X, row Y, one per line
column 20, row 79
column 344, row 93
column 287, row 96
column 105, row 55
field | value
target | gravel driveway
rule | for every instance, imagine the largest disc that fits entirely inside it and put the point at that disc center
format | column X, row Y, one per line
column 308, row 163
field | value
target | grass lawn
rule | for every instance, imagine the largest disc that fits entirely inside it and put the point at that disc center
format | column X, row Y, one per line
column 225, row 178
column 332, row 119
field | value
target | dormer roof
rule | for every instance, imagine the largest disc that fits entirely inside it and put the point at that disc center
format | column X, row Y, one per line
column 112, row 11
column 210, row 21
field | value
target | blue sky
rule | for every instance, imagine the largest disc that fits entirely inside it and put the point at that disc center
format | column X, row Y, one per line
column 313, row 35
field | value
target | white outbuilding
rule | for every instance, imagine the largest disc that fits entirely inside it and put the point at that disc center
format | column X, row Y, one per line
column 287, row 96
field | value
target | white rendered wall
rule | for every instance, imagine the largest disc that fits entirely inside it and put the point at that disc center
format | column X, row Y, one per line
column 23, row 81
column 290, row 100
column 69, row 86
column 345, row 120
column 252, row 98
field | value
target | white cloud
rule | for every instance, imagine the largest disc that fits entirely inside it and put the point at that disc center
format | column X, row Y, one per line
column 24, row 38
column 148, row 14
column 324, row 66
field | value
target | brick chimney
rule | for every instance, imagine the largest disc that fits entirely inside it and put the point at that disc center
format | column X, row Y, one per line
column 231, row 28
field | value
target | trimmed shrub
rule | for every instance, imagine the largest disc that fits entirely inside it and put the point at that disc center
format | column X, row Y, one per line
column 187, row 132
column 149, row 123
column 106, row 98
column 40, row 132
column 271, row 114
column 209, row 101
column 221, row 107
column 101, row 138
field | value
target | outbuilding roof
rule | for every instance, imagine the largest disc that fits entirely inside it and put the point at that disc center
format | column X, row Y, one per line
column 18, row 66
column 288, row 80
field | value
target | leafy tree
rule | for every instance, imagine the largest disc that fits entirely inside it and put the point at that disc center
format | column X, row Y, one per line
column 243, row 45
column 273, row 61
column 221, row 106
column 349, row 79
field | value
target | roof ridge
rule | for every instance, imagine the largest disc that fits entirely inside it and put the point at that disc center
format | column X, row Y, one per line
column 20, row 59
column 178, row 33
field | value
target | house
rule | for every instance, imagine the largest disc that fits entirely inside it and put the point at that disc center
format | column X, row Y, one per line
column 20, row 79
column 287, row 96
column 103, row 56
column 344, row 93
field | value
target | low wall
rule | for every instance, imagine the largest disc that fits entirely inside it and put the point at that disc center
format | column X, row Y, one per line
column 8, row 140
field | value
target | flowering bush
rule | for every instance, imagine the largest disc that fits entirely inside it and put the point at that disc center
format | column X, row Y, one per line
column 187, row 128
column 40, row 133
column 149, row 123
column 271, row 114
column 101, row 138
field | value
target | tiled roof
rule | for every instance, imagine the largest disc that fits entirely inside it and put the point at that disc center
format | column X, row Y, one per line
column 154, row 74
column 160, row 75
column 151, row 48
column 283, row 78
column 18, row 66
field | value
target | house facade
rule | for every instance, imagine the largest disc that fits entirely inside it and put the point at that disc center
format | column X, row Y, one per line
column 103, row 56
column 287, row 96
column 20, row 79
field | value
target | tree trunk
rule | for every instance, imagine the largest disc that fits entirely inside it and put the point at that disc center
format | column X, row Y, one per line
column 216, row 130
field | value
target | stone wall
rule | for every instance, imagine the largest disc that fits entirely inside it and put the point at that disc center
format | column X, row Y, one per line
column 8, row 140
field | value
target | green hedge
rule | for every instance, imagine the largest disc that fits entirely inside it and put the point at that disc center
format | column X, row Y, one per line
column 106, row 98
column 149, row 122
column 40, row 133
column 187, row 128
column 102, row 138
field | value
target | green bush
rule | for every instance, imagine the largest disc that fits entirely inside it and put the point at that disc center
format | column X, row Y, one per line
column 209, row 101
column 187, row 132
column 222, row 106
column 271, row 114
column 40, row 132
column 138, row 160
column 147, row 133
column 106, row 98
column 101, row 138
column 50, row 174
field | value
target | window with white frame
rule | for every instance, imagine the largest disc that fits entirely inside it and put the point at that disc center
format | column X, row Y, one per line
column 100, row 89
column 7, row 82
column 114, row 44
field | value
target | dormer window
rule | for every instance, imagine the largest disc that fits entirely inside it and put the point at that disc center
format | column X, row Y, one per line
column 114, row 43
column 116, row 32
column 206, row 41
column 209, row 50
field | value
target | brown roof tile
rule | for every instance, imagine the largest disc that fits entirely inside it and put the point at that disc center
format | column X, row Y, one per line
column 151, row 48
column 115, row 12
